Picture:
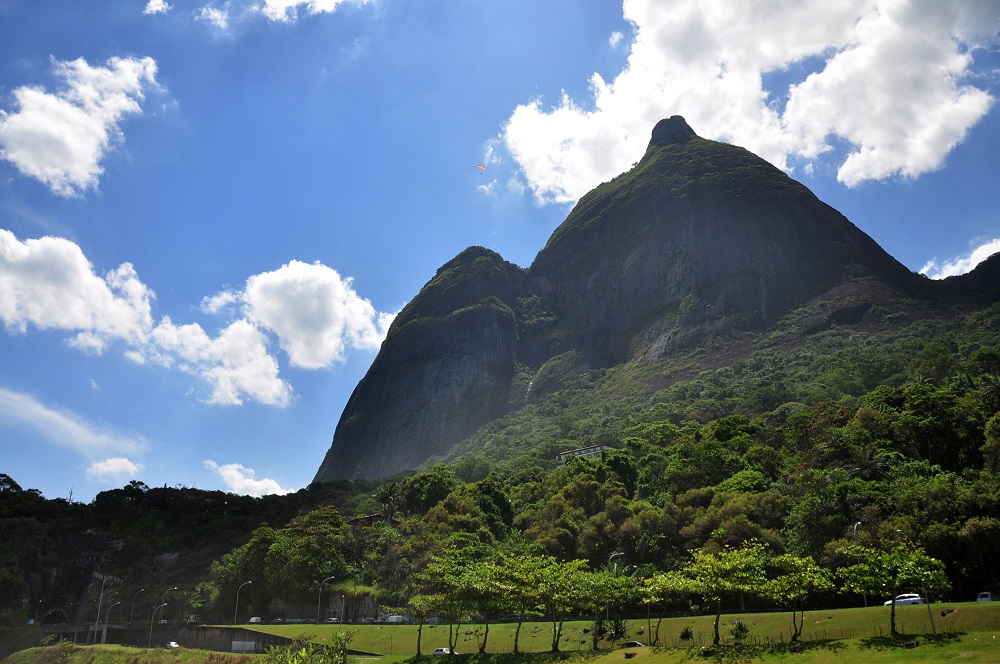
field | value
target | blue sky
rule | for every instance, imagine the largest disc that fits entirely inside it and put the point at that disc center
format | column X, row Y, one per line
column 211, row 211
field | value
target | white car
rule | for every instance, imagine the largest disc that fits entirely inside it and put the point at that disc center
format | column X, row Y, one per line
column 172, row 644
column 908, row 598
column 443, row 651
column 985, row 597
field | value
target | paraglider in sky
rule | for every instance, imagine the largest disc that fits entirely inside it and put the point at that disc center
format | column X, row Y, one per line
column 481, row 166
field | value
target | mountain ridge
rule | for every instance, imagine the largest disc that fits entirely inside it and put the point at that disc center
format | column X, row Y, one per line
column 700, row 240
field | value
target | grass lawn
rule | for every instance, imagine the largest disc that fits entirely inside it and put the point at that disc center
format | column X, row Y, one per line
column 966, row 632
column 969, row 618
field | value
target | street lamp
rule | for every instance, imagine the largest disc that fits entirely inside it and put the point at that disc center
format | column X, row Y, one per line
column 319, row 599
column 237, row 612
column 151, row 616
column 131, row 613
column 856, row 529
column 107, row 617
column 607, row 607
column 164, row 598
column 100, row 604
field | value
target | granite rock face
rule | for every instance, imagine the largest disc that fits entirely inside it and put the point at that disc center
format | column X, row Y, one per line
column 699, row 238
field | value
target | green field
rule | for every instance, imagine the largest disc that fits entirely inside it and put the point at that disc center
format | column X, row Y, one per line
column 967, row 632
column 536, row 637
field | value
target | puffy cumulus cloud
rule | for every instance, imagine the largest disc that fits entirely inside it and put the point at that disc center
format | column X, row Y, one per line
column 156, row 7
column 65, row 428
column 287, row 10
column 61, row 138
column 49, row 283
column 235, row 364
column 886, row 81
column 114, row 468
column 314, row 312
column 949, row 268
column 240, row 479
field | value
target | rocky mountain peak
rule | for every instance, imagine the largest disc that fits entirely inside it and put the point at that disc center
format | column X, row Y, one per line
column 700, row 241
column 668, row 131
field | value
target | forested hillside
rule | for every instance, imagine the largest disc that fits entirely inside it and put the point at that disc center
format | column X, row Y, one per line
column 877, row 438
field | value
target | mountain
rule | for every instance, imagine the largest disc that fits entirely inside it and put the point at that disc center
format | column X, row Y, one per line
column 700, row 245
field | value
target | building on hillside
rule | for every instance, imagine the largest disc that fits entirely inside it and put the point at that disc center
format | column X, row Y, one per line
column 591, row 451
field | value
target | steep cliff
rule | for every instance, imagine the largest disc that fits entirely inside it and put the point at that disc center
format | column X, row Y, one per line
column 443, row 370
column 698, row 239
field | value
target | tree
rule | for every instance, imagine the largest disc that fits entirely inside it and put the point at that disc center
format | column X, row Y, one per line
column 716, row 576
column 662, row 587
column 796, row 578
column 387, row 495
column 879, row 572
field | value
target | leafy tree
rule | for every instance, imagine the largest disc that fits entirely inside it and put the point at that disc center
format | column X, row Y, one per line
column 793, row 581
column 878, row 572
column 423, row 491
column 663, row 587
column 716, row 576
column 311, row 547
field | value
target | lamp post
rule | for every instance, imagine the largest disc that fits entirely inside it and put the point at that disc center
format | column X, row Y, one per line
column 131, row 613
column 100, row 604
column 164, row 598
column 856, row 530
column 607, row 607
column 107, row 617
column 151, row 616
column 319, row 599
column 237, row 611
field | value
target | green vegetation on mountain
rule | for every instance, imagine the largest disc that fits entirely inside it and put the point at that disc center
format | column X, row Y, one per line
column 844, row 440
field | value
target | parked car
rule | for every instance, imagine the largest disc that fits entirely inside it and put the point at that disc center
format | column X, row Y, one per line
column 256, row 619
column 633, row 644
column 332, row 620
column 443, row 651
column 172, row 644
column 985, row 597
column 396, row 619
column 907, row 598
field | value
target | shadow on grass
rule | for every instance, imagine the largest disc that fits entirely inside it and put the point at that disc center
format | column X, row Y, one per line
column 902, row 641
column 744, row 654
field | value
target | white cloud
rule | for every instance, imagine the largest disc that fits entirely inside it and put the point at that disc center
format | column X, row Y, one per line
column 240, row 479
column 65, row 428
column 60, row 139
column 219, row 301
column 888, row 83
column 49, row 283
column 314, row 312
column 114, row 468
column 950, row 268
column 217, row 17
column 235, row 364
column 156, row 7
column 615, row 39
column 287, row 10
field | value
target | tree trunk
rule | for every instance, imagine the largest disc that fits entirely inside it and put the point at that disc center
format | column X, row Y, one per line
column 718, row 614
column 486, row 635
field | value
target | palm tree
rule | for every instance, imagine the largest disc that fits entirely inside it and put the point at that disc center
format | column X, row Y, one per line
column 387, row 495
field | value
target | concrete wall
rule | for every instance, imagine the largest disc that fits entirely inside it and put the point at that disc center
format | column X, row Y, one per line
column 219, row 639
